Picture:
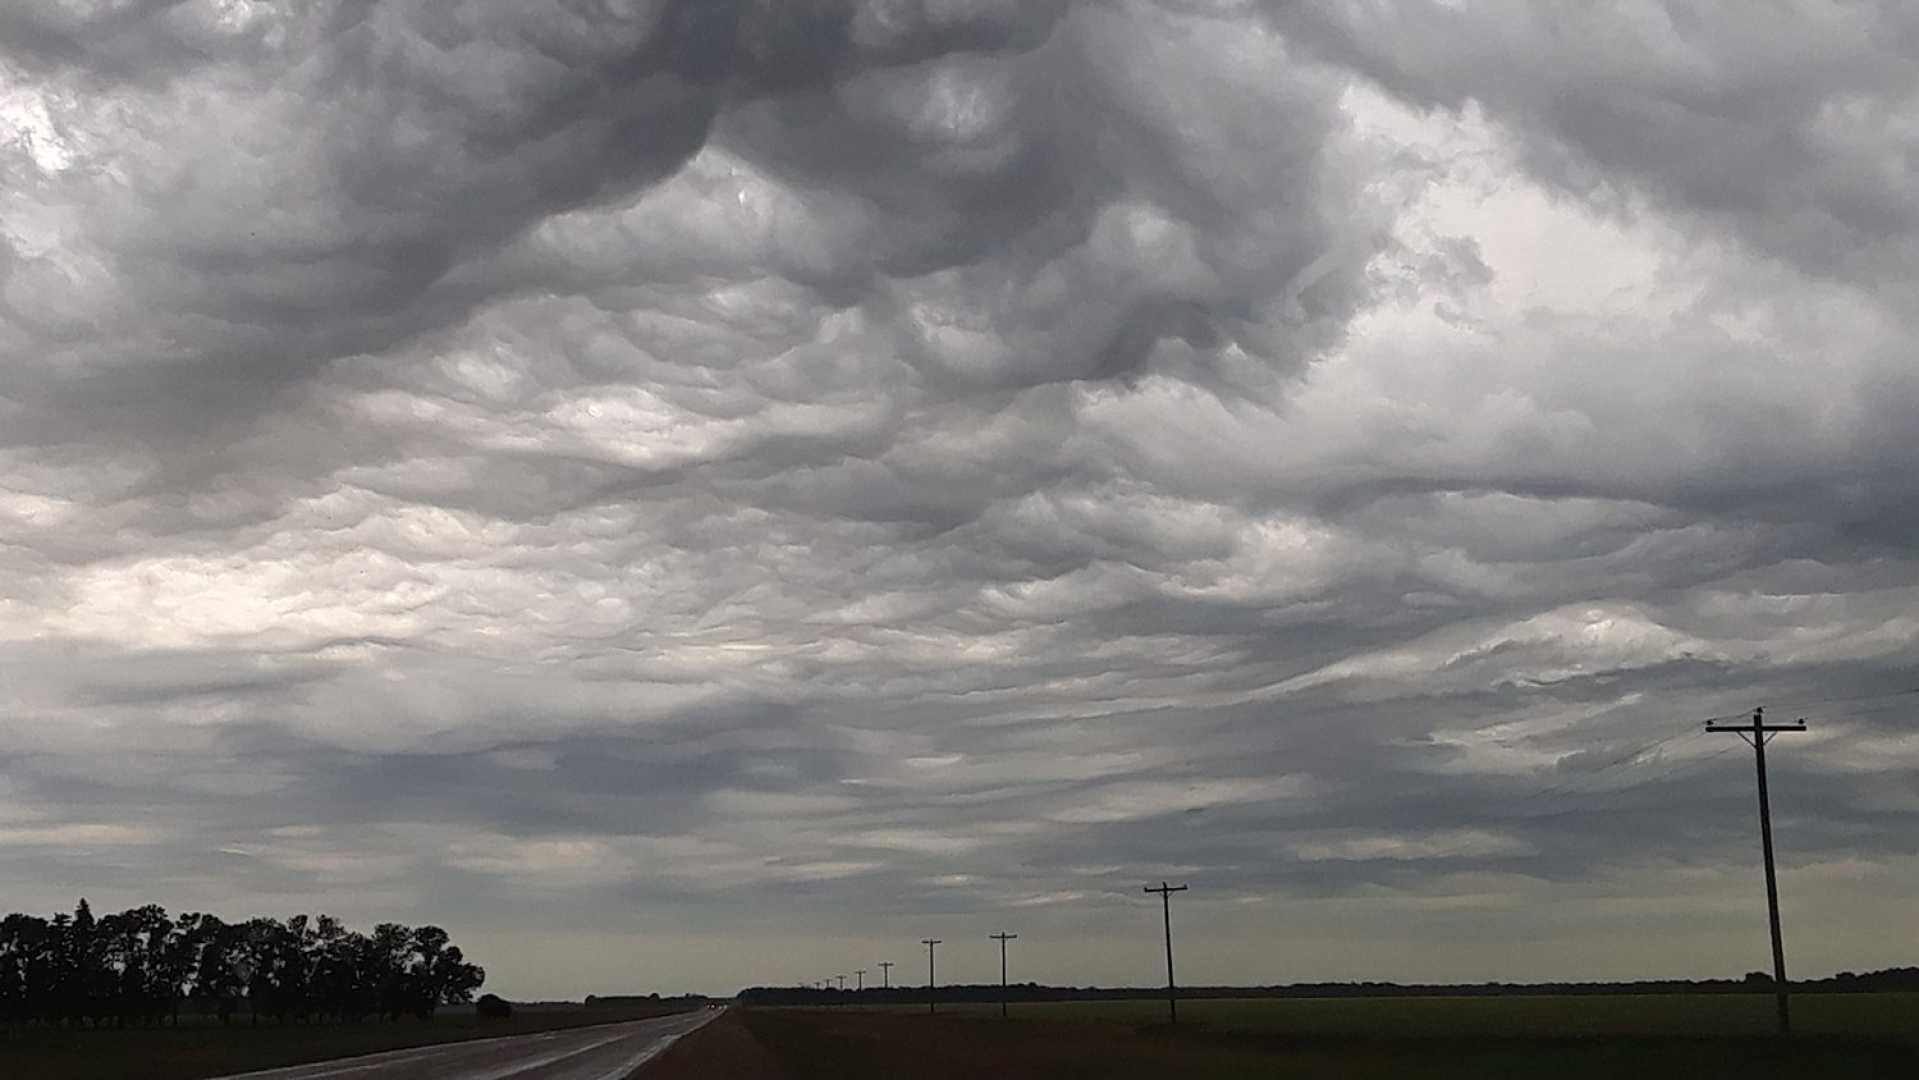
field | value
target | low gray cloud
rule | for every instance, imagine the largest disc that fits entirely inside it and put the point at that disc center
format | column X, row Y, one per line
column 738, row 472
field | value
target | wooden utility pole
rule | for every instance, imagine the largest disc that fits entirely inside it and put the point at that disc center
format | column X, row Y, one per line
column 886, row 974
column 929, row 943
column 1002, row 938
column 1757, row 734
column 859, row 979
column 1166, row 892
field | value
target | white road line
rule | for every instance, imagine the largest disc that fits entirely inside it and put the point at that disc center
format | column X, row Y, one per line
column 320, row 1070
column 621, row 1071
column 517, row 1067
column 362, row 1062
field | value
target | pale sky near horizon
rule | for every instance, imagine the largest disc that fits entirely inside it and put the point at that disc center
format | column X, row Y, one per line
column 698, row 493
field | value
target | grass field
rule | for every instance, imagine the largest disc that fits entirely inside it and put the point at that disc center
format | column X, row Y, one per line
column 1872, row 1016
column 1565, row 1038
column 207, row 1049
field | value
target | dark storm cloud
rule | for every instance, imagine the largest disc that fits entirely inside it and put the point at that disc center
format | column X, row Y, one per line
column 920, row 457
column 138, row 39
column 343, row 193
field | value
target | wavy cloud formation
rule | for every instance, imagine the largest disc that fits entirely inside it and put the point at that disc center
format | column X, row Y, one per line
column 829, row 469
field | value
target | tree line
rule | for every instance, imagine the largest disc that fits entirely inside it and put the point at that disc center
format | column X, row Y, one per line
column 142, row 967
column 1889, row 980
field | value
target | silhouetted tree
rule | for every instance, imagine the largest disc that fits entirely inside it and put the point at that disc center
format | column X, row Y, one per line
column 216, row 958
column 174, row 964
column 437, row 973
column 392, row 945
column 88, row 982
column 24, row 968
column 132, row 947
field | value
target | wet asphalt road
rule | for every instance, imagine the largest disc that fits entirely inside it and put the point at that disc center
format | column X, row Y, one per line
column 602, row 1052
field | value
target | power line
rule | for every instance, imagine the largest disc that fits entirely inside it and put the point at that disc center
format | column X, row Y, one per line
column 1678, row 767
column 1580, row 780
column 1842, row 699
column 1836, row 699
column 1639, row 751
column 1613, row 794
column 1613, row 732
column 1854, row 714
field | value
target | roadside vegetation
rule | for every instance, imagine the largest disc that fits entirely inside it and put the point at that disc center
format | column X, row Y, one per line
column 202, row 1048
column 141, row 994
column 142, row 968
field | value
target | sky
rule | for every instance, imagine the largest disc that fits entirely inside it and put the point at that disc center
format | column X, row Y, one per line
column 690, row 494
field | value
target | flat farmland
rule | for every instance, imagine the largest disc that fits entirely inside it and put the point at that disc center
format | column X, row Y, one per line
column 1893, row 1017
column 1567, row 1038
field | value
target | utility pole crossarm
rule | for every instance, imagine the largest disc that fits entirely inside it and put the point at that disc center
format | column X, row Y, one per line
column 1796, row 725
column 1747, row 729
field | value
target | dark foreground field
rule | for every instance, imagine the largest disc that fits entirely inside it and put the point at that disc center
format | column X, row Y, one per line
column 207, row 1049
column 1559, row 1038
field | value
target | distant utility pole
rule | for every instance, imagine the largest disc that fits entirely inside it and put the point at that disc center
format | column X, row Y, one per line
column 886, row 974
column 842, row 980
column 1166, row 892
column 1757, row 734
column 1002, row 938
column 859, row 979
column 929, row 943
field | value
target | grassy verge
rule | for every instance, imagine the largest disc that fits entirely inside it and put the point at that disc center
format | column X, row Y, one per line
column 199, row 1050
column 1867, row 1016
column 722, row 1050
column 1539, row 1037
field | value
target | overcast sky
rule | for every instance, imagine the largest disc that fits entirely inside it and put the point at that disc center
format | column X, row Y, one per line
column 694, row 493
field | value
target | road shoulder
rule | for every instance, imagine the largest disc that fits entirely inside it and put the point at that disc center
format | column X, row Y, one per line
column 721, row 1050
